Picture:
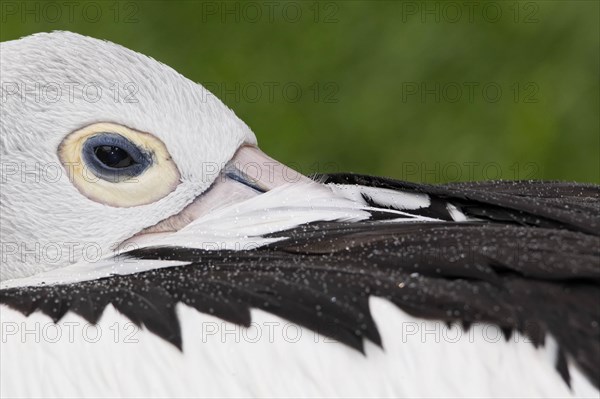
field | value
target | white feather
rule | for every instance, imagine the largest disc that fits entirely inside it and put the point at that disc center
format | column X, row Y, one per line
column 383, row 196
column 420, row 359
column 456, row 214
column 239, row 226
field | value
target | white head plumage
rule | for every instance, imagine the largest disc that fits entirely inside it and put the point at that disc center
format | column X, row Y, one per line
column 54, row 84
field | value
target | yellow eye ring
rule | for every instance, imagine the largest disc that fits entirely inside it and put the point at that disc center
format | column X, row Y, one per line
column 118, row 166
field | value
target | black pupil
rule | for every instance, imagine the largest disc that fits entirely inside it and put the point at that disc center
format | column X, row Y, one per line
column 114, row 157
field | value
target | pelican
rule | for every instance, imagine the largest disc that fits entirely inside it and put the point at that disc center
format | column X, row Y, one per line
column 150, row 248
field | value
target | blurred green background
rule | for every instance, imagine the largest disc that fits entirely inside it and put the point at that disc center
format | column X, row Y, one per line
column 417, row 90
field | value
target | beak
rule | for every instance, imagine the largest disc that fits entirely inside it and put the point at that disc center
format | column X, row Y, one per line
column 249, row 173
column 254, row 169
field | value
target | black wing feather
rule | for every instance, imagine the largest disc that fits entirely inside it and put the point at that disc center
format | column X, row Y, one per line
column 572, row 206
column 532, row 267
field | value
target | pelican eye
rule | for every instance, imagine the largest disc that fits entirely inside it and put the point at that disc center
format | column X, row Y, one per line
column 118, row 166
column 114, row 158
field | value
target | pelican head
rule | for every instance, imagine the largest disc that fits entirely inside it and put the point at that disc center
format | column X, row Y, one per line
column 100, row 144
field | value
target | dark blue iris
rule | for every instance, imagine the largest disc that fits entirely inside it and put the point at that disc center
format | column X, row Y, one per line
column 113, row 158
